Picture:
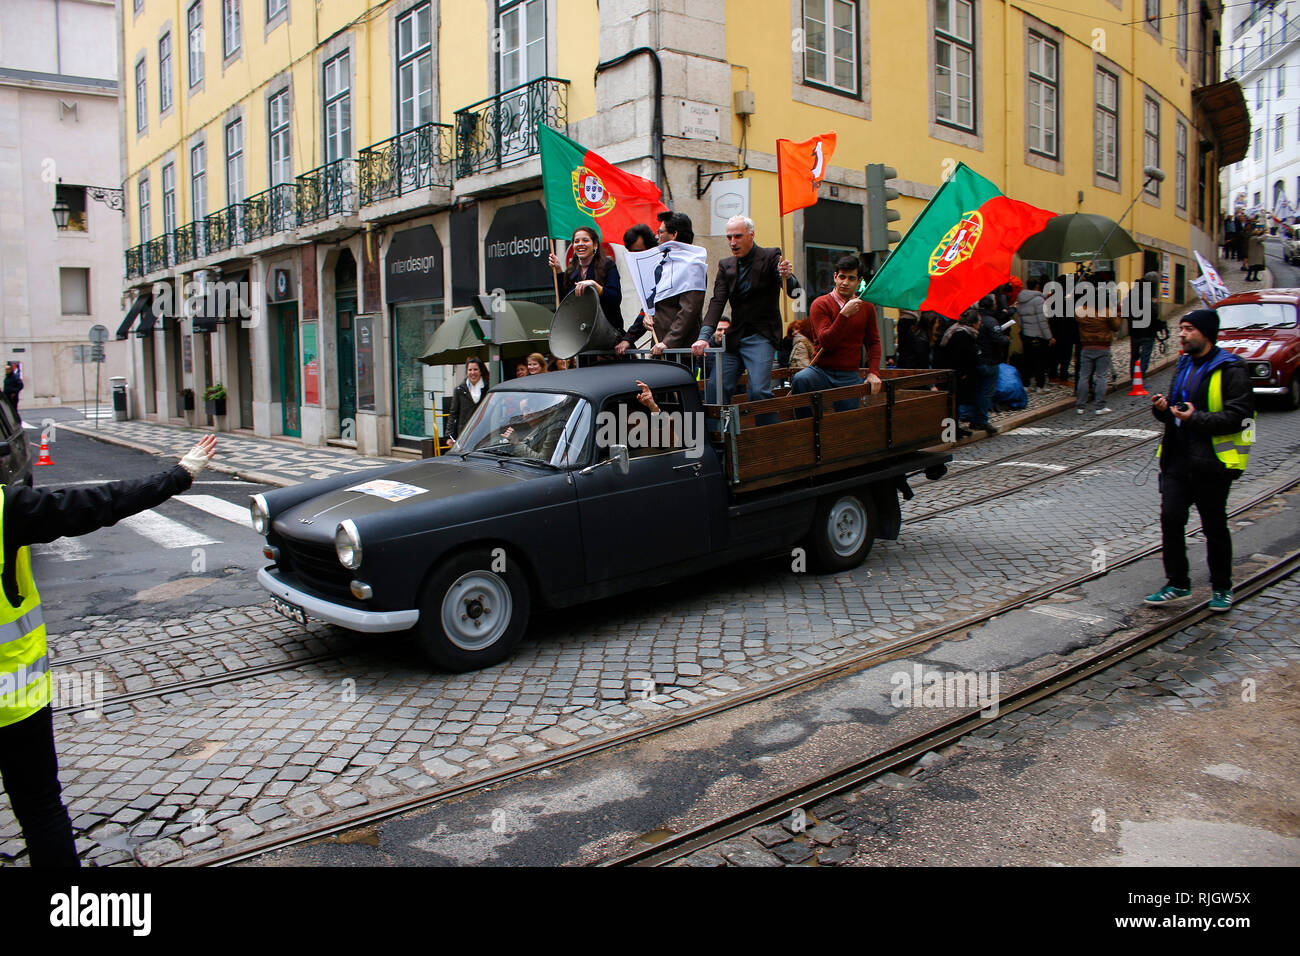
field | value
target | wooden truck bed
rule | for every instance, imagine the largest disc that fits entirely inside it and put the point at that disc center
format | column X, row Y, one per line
column 811, row 439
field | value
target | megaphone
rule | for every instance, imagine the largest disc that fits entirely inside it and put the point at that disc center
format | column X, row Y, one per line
column 580, row 326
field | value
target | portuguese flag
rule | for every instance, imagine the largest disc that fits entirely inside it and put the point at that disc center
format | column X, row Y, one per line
column 581, row 189
column 958, row 249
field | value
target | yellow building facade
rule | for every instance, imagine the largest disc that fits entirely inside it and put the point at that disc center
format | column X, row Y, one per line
column 351, row 170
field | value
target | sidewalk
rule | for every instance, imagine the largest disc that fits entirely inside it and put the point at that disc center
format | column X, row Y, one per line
column 278, row 462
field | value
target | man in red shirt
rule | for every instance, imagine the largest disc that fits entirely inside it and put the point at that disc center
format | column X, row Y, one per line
column 841, row 324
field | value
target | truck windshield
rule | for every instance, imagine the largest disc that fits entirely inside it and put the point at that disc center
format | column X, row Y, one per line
column 1256, row 315
column 534, row 426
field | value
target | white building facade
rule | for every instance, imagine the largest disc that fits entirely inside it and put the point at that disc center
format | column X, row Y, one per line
column 59, row 141
column 1263, row 55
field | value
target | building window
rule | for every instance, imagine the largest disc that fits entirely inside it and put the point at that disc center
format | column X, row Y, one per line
column 1182, row 29
column 229, row 27
column 165, row 73
column 954, row 63
column 414, row 70
column 198, row 182
column 1258, row 201
column 143, row 194
column 74, row 197
column 274, row 8
column 235, row 162
column 523, row 42
column 1153, row 13
column 1043, row 94
column 194, row 31
column 1281, row 80
column 338, row 109
column 830, row 44
column 141, row 98
column 1259, row 95
column 74, row 291
column 1151, row 140
column 169, row 198
column 1180, row 165
column 1279, row 132
column 1259, row 144
column 1105, row 124
column 281, row 144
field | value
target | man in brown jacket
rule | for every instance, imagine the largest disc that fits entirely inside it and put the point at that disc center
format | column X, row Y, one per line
column 1098, row 322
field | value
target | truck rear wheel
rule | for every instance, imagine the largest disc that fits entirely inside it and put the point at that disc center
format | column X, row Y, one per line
column 843, row 531
column 473, row 610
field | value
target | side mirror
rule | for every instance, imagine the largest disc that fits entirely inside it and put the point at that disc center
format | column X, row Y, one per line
column 618, row 455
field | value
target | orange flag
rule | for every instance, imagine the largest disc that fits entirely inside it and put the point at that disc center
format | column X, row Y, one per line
column 800, row 168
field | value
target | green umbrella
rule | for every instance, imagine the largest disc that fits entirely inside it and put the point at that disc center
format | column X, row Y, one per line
column 1079, row 237
column 455, row 340
column 522, row 322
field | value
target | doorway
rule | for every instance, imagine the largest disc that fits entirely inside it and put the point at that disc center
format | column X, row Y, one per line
column 244, row 365
column 286, row 324
column 345, row 310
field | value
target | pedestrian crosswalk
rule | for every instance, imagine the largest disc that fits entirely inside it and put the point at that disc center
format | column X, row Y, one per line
column 161, row 530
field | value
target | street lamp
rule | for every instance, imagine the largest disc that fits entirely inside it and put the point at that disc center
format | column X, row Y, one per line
column 61, row 213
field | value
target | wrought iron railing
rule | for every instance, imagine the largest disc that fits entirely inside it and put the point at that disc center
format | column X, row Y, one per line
column 502, row 129
column 329, row 190
column 156, row 253
column 417, row 159
column 1248, row 61
column 135, row 262
column 189, row 242
column 270, row 211
column 224, row 229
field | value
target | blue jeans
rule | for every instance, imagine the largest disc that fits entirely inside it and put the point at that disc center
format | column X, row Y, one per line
column 988, row 384
column 1094, row 363
column 812, row 379
column 756, row 354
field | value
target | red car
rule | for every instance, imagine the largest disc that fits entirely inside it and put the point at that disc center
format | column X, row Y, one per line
column 1263, row 327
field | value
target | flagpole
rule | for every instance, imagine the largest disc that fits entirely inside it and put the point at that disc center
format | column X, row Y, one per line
column 555, row 276
column 780, row 211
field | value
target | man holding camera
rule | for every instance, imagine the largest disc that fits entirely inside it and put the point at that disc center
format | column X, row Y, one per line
column 1209, row 427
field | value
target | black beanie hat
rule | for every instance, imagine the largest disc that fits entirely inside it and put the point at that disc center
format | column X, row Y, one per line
column 1206, row 322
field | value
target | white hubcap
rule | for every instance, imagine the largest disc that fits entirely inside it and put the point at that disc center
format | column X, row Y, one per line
column 846, row 526
column 476, row 610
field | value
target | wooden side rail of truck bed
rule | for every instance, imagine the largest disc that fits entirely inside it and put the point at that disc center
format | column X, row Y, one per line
column 810, row 437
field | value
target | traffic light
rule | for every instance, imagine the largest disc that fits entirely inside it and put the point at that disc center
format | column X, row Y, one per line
column 879, row 215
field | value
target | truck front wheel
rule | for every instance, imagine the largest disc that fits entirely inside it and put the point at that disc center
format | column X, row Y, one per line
column 473, row 610
column 843, row 531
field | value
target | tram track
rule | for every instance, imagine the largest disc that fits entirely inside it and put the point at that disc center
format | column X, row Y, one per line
column 851, row 776
column 839, row 668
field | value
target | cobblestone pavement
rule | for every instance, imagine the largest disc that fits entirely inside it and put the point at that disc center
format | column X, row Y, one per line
column 1202, row 665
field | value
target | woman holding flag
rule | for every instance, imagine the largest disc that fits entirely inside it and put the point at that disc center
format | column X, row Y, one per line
column 590, row 271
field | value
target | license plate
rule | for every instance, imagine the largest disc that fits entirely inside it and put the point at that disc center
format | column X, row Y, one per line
column 292, row 611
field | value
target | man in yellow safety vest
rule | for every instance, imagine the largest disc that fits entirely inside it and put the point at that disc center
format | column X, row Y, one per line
column 29, row 767
column 1209, row 419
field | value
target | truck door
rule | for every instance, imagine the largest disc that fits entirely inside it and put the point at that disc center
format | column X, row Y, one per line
column 657, row 514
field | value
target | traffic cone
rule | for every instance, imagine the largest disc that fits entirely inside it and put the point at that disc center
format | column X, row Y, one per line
column 1137, row 389
column 45, row 453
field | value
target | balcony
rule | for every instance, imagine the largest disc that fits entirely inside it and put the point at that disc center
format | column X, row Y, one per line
column 502, row 129
column 224, row 229
column 188, row 243
column 329, row 190
column 417, row 159
column 135, row 262
column 1249, row 61
column 157, row 254
column 270, row 211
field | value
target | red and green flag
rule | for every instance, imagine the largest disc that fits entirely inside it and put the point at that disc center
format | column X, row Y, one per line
column 581, row 189
column 958, row 249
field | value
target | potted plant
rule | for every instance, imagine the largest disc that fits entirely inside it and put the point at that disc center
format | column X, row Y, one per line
column 214, row 398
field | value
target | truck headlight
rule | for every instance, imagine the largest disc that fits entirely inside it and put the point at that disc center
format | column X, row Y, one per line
column 347, row 544
column 261, row 517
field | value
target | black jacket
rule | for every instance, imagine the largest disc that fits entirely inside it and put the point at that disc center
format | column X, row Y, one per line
column 992, row 342
column 913, row 348
column 38, row 516
column 1188, row 446
column 958, row 350
column 13, row 384
column 462, row 407
column 756, row 311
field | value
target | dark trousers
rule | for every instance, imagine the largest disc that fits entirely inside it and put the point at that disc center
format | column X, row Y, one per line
column 1178, row 492
column 1038, row 354
column 30, row 772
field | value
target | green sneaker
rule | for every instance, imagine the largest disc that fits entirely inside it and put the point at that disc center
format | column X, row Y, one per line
column 1169, row 593
column 1220, row 601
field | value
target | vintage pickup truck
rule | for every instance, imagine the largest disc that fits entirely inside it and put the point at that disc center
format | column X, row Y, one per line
column 564, row 488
